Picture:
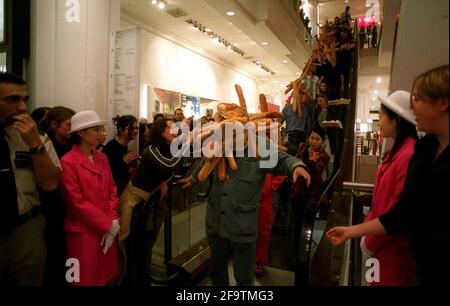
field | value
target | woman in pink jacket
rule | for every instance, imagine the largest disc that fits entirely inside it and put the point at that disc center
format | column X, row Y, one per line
column 397, row 265
column 92, row 221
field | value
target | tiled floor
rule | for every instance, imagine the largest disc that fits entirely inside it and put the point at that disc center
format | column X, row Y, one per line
column 188, row 228
column 273, row 277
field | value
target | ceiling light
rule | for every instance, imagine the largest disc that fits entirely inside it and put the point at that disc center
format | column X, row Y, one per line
column 285, row 61
column 253, row 42
column 231, row 13
column 298, row 73
column 379, row 80
column 154, row 2
column 162, row 5
column 375, row 92
column 264, row 43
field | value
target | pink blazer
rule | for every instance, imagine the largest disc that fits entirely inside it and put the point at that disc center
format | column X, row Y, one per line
column 89, row 192
column 393, row 251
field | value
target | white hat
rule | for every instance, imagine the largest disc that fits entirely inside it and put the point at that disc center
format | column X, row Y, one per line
column 399, row 103
column 84, row 120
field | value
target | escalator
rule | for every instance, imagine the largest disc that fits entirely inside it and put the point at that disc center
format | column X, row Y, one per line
column 181, row 253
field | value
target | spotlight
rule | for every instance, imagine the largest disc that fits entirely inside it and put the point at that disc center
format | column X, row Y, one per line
column 162, row 4
column 154, row 2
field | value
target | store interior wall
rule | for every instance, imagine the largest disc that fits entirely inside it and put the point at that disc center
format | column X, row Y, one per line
column 69, row 62
column 168, row 65
column 422, row 40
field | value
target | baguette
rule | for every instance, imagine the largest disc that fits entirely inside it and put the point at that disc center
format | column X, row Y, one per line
column 241, row 97
column 206, row 170
column 222, row 170
column 232, row 163
column 263, row 103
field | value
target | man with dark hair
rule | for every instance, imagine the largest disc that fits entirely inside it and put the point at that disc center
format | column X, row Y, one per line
column 346, row 16
column 179, row 115
column 25, row 163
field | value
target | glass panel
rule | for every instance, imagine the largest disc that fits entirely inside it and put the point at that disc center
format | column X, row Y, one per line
column 3, row 62
column 188, row 207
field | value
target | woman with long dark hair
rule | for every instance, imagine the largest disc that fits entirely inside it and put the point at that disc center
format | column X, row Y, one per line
column 422, row 208
column 397, row 121
column 316, row 159
column 57, row 126
column 120, row 158
column 156, row 167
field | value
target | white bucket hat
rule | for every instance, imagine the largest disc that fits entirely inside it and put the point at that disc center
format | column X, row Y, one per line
column 399, row 103
column 84, row 120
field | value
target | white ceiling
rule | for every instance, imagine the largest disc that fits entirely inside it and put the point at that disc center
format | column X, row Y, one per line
column 179, row 31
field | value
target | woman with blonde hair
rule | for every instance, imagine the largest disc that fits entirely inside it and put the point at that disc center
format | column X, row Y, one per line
column 422, row 208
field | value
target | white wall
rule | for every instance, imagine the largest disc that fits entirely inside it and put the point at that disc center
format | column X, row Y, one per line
column 422, row 40
column 168, row 65
column 69, row 62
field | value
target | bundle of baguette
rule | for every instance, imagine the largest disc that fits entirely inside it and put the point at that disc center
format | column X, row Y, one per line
column 232, row 113
column 324, row 51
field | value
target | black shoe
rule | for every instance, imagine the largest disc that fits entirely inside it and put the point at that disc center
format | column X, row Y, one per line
column 260, row 271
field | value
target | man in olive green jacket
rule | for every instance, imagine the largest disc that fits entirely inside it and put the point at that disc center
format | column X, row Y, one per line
column 232, row 214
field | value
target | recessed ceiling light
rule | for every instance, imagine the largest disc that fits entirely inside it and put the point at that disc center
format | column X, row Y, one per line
column 298, row 73
column 379, row 80
column 320, row 4
column 231, row 13
column 264, row 43
column 154, row 2
column 375, row 92
column 285, row 61
column 162, row 5
column 253, row 42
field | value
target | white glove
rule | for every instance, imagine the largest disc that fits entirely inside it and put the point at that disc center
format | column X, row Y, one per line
column 115, row 228
column 108, row 239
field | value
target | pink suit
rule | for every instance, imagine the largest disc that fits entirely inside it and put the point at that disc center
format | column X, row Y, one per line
column 91, row 202
column 397, row 265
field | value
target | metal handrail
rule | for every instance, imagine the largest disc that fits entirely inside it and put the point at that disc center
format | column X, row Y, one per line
column 357, row 186
column 303, row 261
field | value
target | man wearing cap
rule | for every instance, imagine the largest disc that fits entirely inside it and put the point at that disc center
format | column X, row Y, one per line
column 90, row 194
column 25, row 163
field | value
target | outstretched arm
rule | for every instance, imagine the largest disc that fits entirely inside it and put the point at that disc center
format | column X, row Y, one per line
column 340, row 234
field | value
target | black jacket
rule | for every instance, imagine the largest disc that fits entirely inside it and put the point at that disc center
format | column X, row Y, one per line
column 423, row 211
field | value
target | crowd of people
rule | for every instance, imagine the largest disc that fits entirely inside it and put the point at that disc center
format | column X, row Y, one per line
column 69, row 194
